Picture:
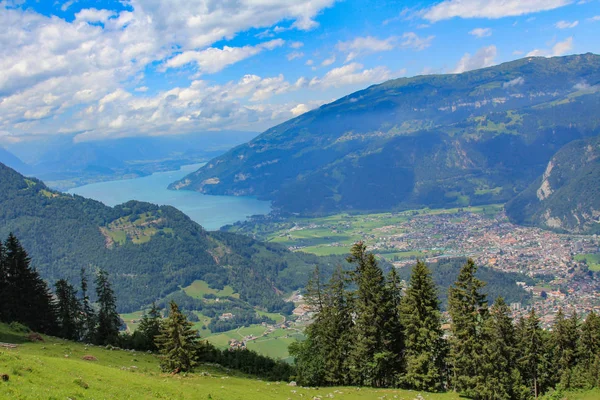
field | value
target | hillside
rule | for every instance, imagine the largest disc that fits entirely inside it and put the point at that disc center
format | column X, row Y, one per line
column 442, row 140
column 149, row 251
column 567, row 196
column 55, row 369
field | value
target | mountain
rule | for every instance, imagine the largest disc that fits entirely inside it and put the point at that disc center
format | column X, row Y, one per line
column 149, row 251
column 439, row 140
column 567, row 196
column 64, row 162
column 8, row 158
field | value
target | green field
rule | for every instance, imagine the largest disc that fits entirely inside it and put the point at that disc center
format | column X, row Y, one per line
column 593, row 260
column 335, row 234
column 199, row 289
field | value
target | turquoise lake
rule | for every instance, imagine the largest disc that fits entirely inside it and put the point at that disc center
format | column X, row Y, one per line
column 212, row 212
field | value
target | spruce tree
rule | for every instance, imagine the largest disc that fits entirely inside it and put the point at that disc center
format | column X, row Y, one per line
column 533, row 357
column 108, row 321
column 336, row 321
column 501, row 376
column 177, row 342
column 421, row 320
column 565, row 338
column 4, row 300
column 88, row 317
column 368, row 359
column 589, row 350
column 27, row 296
column 149, row 329
column 68, row 311
column 468, row 309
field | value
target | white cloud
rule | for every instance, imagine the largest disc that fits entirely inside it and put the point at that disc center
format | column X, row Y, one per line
column 309, row 62
column 491, row 9
column 295, row 54
column 296, row 45
column 414, row 41
column 365, row 45
column 566, row 24
column 141, row 89
column 94, row 15
column 559, row 49
column 351, row 74
column 328, row 61
column 214, row 60
column 299, row 109
column 484, row 57
column 514, row 82
column 481, row 32
column 594, row 18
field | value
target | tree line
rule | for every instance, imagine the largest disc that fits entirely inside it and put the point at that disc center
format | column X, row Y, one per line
column 26, row 298
column 368, row 331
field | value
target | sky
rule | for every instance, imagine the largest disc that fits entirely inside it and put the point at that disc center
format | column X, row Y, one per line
column 107, row 69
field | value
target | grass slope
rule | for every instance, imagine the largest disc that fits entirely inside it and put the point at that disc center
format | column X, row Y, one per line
column 54, row 369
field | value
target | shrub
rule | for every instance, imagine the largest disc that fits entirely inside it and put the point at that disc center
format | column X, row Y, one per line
column 19, row 327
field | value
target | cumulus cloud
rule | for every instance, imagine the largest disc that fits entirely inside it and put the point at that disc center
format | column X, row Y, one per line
column 594, row 18
column 484, row 57
column 365, row 45
column 351, row 74
column 214, row 60
column 566, row 24
column 296, row 45
column 328, row 61
column 514, row 82
column 414, row 41
column 294, row 54
column 559, row 49
column 481, row 32
column 491, row 9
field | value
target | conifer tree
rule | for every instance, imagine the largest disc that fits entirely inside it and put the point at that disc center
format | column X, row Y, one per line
column 468, row 309
column 68, row 310
column 391, row 357
column 177, row 342
column 533, row 358
column 336, row 320
column 565, row 338
column 149, row 329
column 589, row 350
column 108, row 321
column 4, row 300
column 368, row 359
column 88, row 317
column 501, row 376
column 27, row 298
column 421, row 320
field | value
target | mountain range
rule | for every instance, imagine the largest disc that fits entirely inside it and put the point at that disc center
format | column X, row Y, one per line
column 149, row 251
column 478, row 137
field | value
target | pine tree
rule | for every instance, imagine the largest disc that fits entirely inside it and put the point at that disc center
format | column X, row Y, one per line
column 501, row 376
column 177, row 342
column 108, row 321
column 68, row 310
column 4, row 295
column 28, row 299
column 590, row 350
column 88, row 317
column 336, row 321
column 393, row 333
column 565, row 338
column 533, row 358
column 368, row 359
column 149, row 329
column 421, row 320
column 468, row 309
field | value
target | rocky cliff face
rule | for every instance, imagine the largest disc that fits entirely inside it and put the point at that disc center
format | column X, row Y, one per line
column 567, row 196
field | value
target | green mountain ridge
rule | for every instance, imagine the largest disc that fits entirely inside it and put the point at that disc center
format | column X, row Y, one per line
column 567, row 196
column 443, row 140
column 149, row 251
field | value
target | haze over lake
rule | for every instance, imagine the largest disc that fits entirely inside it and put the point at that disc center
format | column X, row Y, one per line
column 211, row 212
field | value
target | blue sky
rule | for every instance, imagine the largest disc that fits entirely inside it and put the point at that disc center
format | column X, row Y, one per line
column 103, row 69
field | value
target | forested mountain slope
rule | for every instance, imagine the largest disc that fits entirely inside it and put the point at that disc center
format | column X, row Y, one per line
column 438, row 140
column 149, row 251
column 567, row 196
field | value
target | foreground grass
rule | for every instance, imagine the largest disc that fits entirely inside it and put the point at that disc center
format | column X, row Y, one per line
column 54, row 369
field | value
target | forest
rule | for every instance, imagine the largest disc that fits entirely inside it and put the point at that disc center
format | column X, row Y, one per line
column 368, row 331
